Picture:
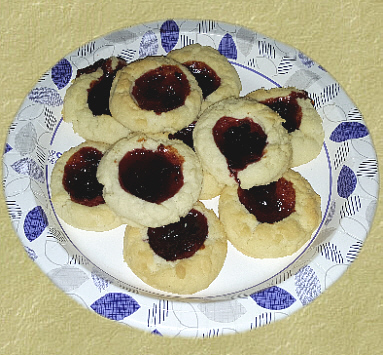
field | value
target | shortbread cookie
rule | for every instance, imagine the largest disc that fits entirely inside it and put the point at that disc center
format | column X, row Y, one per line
column 150, row 182
column 242, row 141
column 271, row 221
column 181, row 258
column 86, row 102
column 76, row 193
column 302, row 121
column 155, row 94
column 215, row 75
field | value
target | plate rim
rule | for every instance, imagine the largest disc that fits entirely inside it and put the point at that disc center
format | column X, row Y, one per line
column 175, row 299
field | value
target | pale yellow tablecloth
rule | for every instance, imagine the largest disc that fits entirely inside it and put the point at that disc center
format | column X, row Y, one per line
column 343, row 36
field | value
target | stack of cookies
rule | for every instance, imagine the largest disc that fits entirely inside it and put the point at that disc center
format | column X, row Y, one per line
column 165, row 132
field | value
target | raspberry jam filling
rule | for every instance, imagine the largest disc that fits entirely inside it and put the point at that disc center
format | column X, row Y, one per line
column 269, row 203
column 241, row 141
column 153, row 176
column 180, row 240
column 288, row 108
column 206, row 77
column 185, row 135
column 162, row 89
column 79, row 178
column 99, row 90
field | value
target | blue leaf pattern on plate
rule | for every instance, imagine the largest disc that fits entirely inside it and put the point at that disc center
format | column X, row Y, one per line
column 7, row 148
column 158, row 313
column 169, row 35
column 351, row 207
column 45, row 96
column 99, row 282
column 306, row 61
column 307, row 285
column 348, row 130
column 331, row 252
column 115, row 306
column 346, row 183
column 50, row 119
column 148, row 45
column 206, row 26
column 341, row 154
column 31, row 253
column 227, row 47
column 326, row 95
column 35, row 222
column 273, row 298
column 156, row 332
column 353, row 252
column 368, row 168
column 29, row 167
column 86, row 49
column 285, row 65
column 62, row 73
column 14, row 210
column 266, row 50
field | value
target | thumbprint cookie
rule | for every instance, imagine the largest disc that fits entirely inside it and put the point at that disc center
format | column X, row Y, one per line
column 271, row 221
column 148, row 181
column 302, row 121
column 86, row 102
column 155, row 94
column 216, row 77
column 76, row 192
column 240, row 141
column 183, row 257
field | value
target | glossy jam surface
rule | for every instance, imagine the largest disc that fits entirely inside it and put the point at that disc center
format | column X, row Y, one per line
column 179, row 240
column 288, row 108
column 152, row 175
column 185, row 135
column 206, row 77
column 79, row 178
column 99, row 90
column 241, row 141
column 162, row 89
column 269, row 203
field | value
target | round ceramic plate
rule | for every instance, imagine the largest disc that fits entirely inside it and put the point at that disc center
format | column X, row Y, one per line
column 89, row 266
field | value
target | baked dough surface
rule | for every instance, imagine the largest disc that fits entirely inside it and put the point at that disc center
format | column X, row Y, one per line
column 136, row 211
column 98, row 218
column 265, row 240
column 273, row 163
column 102, row 128
column 126, row 110
column 307, row 141
column 230, row 85
column 183, row 276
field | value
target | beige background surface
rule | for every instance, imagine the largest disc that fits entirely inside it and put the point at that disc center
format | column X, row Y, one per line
column 343, row 36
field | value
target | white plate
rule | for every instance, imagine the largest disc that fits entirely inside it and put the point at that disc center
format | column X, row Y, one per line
column 89, row 267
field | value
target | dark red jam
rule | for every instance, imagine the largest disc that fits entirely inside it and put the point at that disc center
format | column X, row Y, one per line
column 153, row 176
column 185, row 135
column 269, row 203
column 206, row 77
column 79, row 178
column 180, row 240
column 241, row 141
column 162, row 89
column 99, row 90
column 288, row 108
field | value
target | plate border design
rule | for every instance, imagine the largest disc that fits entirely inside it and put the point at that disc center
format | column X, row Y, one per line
column 354, row 184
